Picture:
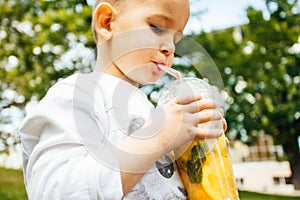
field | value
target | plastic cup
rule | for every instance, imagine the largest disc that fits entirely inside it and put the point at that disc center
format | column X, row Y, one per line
column 204, row 165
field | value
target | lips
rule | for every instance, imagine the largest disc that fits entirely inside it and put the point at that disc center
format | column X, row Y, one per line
column 157, row 70
column 171, row 71
column 159, row 64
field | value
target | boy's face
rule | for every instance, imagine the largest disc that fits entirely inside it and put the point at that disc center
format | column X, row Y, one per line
column 144, row 34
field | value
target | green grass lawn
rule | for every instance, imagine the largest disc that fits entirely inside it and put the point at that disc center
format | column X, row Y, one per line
column 12, row 188
column 256, row 196
column 11, row 185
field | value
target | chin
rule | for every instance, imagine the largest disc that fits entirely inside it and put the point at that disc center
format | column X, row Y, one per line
column 152, row 81
column 155, row 77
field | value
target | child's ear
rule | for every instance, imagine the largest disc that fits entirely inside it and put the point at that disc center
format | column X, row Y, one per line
column 102, row 19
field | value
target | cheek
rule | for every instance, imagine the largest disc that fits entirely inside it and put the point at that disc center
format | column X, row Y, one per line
column 136, row 58
column 170, row 60
column 129, row 41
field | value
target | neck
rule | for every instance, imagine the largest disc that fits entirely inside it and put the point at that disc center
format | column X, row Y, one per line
column 105, row 63
column 113, row 70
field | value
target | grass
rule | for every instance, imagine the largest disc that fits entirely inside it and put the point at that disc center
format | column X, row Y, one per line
column 257, row 196
column 12, row 188
column 11, row 185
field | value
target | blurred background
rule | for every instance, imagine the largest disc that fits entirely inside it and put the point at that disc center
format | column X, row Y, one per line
column 255, row 45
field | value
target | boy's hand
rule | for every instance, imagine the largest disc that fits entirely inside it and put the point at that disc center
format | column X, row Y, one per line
column 188, row 118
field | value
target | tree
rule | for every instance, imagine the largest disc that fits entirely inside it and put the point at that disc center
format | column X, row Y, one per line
column 260, row 64
column 40, row 42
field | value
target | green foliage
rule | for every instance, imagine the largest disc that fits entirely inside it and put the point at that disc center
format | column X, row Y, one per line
column 261, row 73
column 37, row 36
column 37, row 39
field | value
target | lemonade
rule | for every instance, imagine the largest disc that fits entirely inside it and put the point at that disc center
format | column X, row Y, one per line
column 207, row 174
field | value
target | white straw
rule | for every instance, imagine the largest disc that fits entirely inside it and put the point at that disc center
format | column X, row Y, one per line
column 172, row 72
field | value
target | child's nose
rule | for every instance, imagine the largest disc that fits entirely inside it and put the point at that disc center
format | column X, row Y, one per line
column 167, row 48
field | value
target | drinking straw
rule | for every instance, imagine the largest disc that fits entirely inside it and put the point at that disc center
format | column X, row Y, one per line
column 172, row 72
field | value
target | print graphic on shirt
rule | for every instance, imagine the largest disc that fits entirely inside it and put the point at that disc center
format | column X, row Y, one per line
column 165, row 169
column 135, row 122
column 162, row 181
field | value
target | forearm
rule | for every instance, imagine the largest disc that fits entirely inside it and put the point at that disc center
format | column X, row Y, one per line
column 129, row 180
column 135, row 157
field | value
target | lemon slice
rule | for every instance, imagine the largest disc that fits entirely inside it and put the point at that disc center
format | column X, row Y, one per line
column 218, row 180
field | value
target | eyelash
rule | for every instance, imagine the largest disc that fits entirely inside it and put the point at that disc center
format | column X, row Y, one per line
column 157, row 29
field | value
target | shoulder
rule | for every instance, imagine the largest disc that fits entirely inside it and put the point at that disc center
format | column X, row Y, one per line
column 74, row 86
column 61, row 99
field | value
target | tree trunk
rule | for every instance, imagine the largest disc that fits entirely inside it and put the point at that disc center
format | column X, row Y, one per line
column 292, row 150
column 296, row 175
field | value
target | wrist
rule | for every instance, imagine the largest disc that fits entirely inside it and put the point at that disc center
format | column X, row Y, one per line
column 137, row 155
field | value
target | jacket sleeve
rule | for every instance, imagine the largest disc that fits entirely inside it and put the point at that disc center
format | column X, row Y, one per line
column 62, row 146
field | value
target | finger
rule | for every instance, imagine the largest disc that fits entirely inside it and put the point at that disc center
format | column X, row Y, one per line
column 224, row 124
column 227, row 141
column 187, row 99
column 199, row 105
column 206, row 116
column 222, row 111
column 207, row 133
column 186, row 94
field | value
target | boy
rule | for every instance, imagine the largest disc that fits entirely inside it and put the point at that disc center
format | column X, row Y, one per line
column 96, row 136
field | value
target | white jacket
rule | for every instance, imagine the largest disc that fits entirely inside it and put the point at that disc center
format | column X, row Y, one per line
column 66, row 142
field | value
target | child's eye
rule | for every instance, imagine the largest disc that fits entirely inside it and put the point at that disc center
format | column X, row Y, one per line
column 157, row 29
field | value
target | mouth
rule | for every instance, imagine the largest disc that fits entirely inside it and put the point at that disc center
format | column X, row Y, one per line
column 176, row 74
column 156, row 70
column 159, row 65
